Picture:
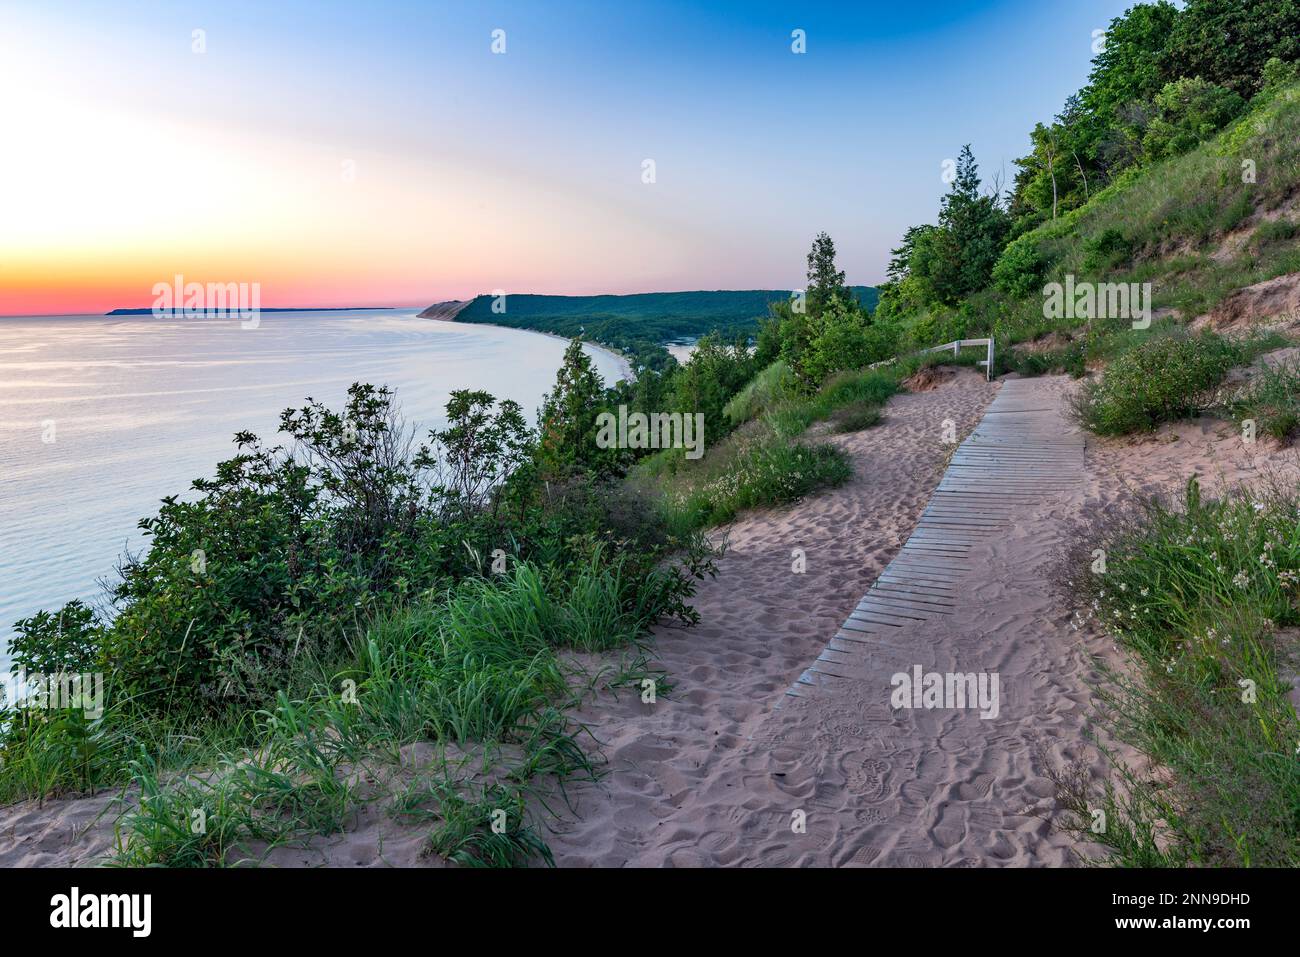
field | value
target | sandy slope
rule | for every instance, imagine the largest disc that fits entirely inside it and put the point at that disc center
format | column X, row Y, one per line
column 711, row 773
column 714, row 775
column 685, row 786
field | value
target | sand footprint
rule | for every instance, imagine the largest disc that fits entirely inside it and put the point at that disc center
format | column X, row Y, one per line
column 975, row 789
column 867, row 779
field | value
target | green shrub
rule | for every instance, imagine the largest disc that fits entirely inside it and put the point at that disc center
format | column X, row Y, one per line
column 715, row 373
column 855, row 417
column 1106, row 250
column 1273, row 232
column 763, row 474
column 1278, row 74
column 1068, row 359
column 1020, row 268
column 67, row 641
column 1188, row 112
column 1162, row 380
column 868, row 387
column 816, row 345
column 285, row 550
column 567, row 420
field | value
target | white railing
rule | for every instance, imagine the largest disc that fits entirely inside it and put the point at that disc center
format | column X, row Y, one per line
column 956, row 347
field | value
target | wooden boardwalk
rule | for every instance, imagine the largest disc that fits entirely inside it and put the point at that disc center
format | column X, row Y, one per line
column 1021, row 452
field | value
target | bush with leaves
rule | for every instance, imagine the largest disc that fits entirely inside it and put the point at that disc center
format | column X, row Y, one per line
column 1200, row 595
column 1164, row 379
column 1188, row 112
column 287, row 550
column 478, row 452
column 62, row 642
column 716, row 372
column 1019, row 269
column 1106, row 250
column 843, row 338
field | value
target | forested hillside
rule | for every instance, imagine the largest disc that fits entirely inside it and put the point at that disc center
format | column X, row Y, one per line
column 638, row 324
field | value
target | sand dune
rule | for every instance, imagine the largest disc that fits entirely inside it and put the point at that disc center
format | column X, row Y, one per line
column 713, row 773
column 690, row 782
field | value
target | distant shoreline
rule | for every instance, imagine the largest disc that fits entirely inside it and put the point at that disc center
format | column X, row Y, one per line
column 624, row 362
column 150, row 312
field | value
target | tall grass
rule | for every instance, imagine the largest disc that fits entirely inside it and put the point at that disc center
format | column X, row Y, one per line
column 478, row 670
column 774, row 384
column 856, row 389
column 1271, row 400
column 293, row 783
column 1201, row 595
column 765, row 463
column 761, row 474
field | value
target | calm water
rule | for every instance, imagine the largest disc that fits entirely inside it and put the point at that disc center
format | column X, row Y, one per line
column 138, row 407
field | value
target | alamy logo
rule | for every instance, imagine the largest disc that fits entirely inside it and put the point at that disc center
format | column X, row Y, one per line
column 54, row 692
column 215, row 300
column 1092, row 300
column 657, row 430
column 103, row 910
column 947, row 690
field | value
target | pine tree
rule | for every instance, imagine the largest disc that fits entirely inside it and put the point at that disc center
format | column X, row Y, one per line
column 824, row 280
column 568, row 417
column 972, row 231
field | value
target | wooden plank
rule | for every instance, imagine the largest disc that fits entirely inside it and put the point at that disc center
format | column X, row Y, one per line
column 904, row 604
column 935, row 585
column 1021, row 451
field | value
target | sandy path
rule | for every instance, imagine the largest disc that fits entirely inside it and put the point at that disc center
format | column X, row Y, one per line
column 683, row 786
column 717, row 775
column 919, row 787
column 712, row 773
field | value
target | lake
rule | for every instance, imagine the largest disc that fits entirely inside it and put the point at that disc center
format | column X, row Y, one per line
column 100, row 417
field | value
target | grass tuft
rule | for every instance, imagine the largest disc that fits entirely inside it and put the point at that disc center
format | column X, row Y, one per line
column 1204, row 596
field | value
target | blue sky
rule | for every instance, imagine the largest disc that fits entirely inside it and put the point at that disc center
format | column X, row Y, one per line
column 522, row 171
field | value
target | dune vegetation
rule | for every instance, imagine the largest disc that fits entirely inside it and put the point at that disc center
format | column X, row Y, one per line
column 315, row 608
column 1202, row 594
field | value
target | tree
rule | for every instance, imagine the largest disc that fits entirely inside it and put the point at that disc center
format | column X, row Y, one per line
column 904, row 292
column 479, row 450
column 1130, row 69
column 567, row 420
column 1227, row 42
column 956, row 258
column 1045, row 145
column 1073, row 120
column 716, row 371
column 1132, row 65
column 842, row 339
column 1053, row 178
column 901, row 258
column 1188, row 112
column 824, row 280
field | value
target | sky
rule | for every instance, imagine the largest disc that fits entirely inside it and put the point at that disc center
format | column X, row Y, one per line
column 381, row 153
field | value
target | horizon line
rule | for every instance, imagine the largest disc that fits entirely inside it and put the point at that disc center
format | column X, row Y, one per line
column 554, row 295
